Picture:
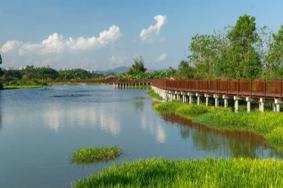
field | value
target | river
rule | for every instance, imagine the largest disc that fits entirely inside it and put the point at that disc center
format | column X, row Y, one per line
column 39, row 129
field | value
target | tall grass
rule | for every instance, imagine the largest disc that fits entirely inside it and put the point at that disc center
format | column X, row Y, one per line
column 244, row 173
column 268, row 124
column 95, row 154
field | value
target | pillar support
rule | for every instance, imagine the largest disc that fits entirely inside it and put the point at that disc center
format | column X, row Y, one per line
column 261, row 104
column 206, row 99
column 225, row 97
column 276, row 107
column 190, row 98
column 236, row 103
column 249, row 100
column 198, row 98
column 216, row 101
column 183, row 97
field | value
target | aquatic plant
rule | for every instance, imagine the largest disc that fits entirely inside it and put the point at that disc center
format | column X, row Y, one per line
column 238, row 172
column 87, row 155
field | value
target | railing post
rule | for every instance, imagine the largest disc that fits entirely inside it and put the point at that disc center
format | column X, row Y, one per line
column 281, row 88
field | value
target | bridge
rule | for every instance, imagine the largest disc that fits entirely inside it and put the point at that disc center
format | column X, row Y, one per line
column 247, row 90
column 131, row 83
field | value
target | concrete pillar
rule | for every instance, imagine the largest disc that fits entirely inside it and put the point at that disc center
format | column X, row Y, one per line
column 206, row 99
column 261, row 104
column 225, row 101
column 190, row 98
column 198, row 98
column 171, row 96
column 236, row 103
column 216, row 101
column 178, row 96
column 249, row 100
column 276, row 105
column 184, row 97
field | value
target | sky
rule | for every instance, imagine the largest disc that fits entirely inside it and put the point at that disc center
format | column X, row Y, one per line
column 104, row 34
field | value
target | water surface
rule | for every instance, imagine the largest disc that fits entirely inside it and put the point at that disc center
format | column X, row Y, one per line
column 39, row 128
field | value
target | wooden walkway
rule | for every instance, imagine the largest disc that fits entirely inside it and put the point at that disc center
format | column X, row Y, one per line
column 242, row 88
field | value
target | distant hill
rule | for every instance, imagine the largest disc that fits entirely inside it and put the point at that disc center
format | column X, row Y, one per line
column 117, row 70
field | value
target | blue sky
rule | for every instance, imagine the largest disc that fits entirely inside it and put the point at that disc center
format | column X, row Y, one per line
column 26, row 24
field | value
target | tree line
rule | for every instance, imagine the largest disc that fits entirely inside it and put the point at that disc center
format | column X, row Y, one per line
column 243, row 51
column 40, row 75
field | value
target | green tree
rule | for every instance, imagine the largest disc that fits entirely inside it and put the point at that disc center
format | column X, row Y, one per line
column 11, row 75
column 185, row 71
column 138, row 67
column 243, row 62
column 207, row 54
column 274, row 58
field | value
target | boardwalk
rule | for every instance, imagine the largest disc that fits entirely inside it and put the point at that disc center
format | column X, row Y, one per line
column 247, row 90
column 131, row 83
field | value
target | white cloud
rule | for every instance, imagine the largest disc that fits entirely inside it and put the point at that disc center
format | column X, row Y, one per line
column 161, row 58
column 154, row 29
column 57, row 43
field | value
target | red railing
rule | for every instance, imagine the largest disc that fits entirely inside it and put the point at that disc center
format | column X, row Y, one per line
column 253, row 88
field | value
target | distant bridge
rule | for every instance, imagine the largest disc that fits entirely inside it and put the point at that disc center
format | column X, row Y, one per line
column 248, row 90
column 131, row 83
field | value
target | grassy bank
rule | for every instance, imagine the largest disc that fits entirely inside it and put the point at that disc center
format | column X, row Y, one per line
column 190, row 173
column 24, row 86
column 95, row 154
column 268, row 124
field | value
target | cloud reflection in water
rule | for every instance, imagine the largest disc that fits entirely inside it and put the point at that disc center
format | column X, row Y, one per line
column 57, row 116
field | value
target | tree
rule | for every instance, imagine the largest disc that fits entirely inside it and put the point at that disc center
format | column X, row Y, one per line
column 243, row 62
column 185, row 71
column 207, row 54
column 138, row 67
column 274, row 58
column 0, row 59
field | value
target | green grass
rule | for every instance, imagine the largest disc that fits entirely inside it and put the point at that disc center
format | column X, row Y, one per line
column 267, row 124
column 23, row 86
column 88, row 155
column 209, row 173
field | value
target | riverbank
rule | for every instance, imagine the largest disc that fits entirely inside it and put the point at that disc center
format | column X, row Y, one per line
column 212, row 173
column 267, row 124
column 24, row 86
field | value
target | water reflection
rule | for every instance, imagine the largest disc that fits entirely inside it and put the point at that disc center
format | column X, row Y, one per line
column 155, row 127
column 235, row 143
column 57, row 116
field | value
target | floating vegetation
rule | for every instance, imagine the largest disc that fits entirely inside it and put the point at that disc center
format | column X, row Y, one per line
column 213, row 173
column 88, row 155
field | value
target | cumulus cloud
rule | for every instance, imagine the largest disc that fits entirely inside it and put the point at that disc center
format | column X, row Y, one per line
column 161, row 58
column 154, row 29
column 57, row 43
